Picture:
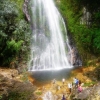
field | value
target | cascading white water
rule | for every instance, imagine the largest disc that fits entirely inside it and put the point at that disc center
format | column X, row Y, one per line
column 47, row 44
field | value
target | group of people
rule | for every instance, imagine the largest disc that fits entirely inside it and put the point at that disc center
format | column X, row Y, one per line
column 76, row 84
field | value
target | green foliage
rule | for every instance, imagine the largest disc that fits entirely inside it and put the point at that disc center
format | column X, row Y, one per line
column 14, row 46
column 24, row 76
column 14, row 31
column 11, row 50
column 0, row 96
column 19, row 95
column 19, row 4
column 89, row 84
column 39, row 93
column 87, row 38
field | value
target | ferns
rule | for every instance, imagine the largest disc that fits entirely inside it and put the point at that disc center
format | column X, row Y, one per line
column 14, row 31
column 14, row 46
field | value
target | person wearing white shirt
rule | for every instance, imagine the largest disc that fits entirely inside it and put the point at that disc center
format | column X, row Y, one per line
column 63, row 81
column 70, row 87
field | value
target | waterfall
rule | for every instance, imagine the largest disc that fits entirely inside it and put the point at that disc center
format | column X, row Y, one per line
column 47, row 43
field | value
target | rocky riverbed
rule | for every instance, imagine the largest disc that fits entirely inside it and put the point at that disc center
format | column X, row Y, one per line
column 14, row 86
column 88, row 78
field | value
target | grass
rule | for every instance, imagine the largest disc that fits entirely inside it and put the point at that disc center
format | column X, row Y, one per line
column 19, row 95
column 39, row 93
column 89, row 84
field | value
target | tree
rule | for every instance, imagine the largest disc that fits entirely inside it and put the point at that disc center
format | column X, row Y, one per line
column 13, row 32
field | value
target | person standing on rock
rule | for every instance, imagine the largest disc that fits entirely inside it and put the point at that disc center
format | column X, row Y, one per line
column 80, row 88
column 63, row 81
column 70, row 87
column 58, row 87
column 63, row 98
column 54, row 81
column 76, row 82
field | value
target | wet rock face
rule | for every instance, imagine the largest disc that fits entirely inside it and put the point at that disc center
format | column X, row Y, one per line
column 75, row 57
column 25, row 9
